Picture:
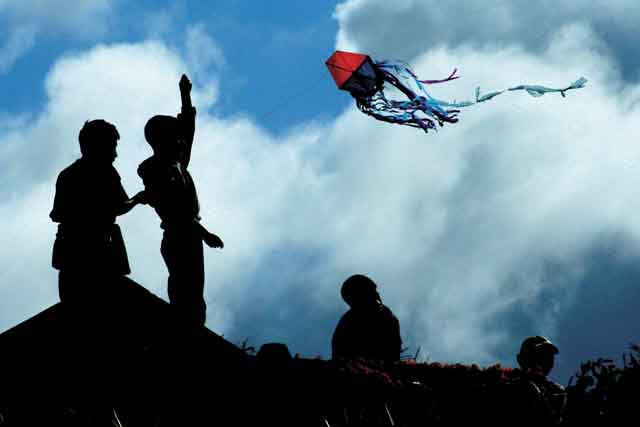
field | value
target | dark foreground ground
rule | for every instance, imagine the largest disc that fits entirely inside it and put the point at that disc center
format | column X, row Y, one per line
column 128, row 361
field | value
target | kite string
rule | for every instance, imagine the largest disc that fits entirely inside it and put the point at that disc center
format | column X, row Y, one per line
column 286, row 100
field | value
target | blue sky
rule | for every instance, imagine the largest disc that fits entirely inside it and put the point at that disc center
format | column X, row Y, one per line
column 273, row 55
column 518, row 220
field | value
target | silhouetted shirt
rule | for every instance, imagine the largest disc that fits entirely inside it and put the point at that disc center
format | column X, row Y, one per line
column 85, row 204
column 171, row 192
column 169, row 186
column 372, row 333
column 540, row 401
column 87, row 196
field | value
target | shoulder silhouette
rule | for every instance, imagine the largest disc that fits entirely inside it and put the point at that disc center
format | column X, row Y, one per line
column 538, row 400
column 369, row 329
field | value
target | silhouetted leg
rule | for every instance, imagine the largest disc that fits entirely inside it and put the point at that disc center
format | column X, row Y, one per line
column 84, row 293
column 183, row 254
column 70, row 286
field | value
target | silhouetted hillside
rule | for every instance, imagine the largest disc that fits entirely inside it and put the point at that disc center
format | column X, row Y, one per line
column 126, row 351
column 133, row 355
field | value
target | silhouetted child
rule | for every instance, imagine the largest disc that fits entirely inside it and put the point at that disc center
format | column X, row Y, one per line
column 172, row 193
column 369, row 330
column 538, row 400
column 89, row 249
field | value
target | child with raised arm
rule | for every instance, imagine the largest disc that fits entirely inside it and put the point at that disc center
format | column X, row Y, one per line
column 169, row 188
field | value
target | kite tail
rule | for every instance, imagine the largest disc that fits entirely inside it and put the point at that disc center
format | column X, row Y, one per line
column 402, row 118
column 415, row 113
column 538, row 91
column 533, row 90
column 421, row 110
column 452, row 76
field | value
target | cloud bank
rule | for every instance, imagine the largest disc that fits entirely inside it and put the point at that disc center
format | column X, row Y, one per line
column 407, row 28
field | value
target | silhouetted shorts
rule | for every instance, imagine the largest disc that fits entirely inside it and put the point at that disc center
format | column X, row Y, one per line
column 87, row 286
column 183, row 254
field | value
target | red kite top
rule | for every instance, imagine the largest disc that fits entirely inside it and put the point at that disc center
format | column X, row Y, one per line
column 343, row 64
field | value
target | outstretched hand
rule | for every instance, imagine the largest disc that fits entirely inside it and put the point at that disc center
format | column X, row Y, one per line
column 185, row 84
column 212, row 240
column 141, row 197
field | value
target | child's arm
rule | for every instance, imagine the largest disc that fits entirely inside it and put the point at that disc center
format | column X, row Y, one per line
column 60, row 201
column 210, row 239
column 187, row 119
column 129, row 204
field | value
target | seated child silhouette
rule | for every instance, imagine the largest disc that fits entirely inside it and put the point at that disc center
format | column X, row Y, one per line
column 368, row 330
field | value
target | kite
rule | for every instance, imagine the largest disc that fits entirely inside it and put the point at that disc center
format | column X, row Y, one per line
column 365, row 79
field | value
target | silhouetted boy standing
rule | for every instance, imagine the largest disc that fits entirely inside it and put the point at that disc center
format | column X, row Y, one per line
column 172, row 193
column 89, row 250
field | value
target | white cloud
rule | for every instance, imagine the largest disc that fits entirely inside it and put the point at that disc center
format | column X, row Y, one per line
column 407, row 28
column 18, row 42
column 26, row 20
column 204, row 57
column 457, row 226
column 203, row 51
column 88, row 17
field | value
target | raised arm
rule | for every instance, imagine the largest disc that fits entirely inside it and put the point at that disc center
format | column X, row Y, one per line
column 187, row 118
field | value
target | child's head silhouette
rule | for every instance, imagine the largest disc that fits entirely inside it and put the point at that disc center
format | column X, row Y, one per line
column 98, row 140
column 163, row 135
